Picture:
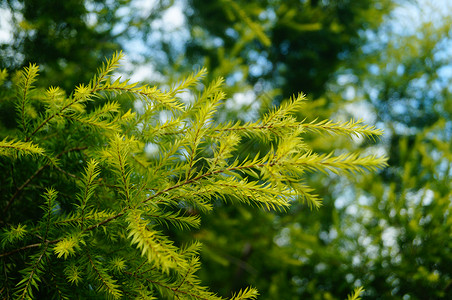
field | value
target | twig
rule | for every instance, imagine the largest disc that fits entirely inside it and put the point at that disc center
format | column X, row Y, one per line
column 28, row 247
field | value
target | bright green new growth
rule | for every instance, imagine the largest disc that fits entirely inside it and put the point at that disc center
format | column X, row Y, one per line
column 108, row 237
column 356, row 294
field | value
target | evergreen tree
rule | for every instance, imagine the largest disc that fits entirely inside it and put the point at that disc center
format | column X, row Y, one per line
column 90, row 191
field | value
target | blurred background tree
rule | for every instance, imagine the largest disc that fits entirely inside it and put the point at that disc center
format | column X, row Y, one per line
column 58, row 35
column 385, row 61
column 294, row 45
column 401, row 239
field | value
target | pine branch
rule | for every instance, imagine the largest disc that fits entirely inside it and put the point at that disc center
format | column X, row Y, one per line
column 73, row 273
column 193, row 197
column 159, row 251
column 55, row 99
column 107, row 67
column 189, row 81
column 177, row 218
column 50, row 196
column 32, row 276
column 248, row 293
column 356, row 294
column 194, row 136
column 83, row 218
column 47, row 120
column 263, row 195
column 107, row 283
column 223, row 151
column 16, row 233
column 83, row 93
column 87, row 186
column 105, row 221
column 67, row 246
column 100, row 118
column 12, row 148
column 25, row 87
column 306, row 193
column 165, row 100
column 347, row 162
column 175, row 291
column 294, row 104
column 154, row 94
column 204, row 97
column 116, row 155
column 309, row 161
column 349, row 128
column 31, row 246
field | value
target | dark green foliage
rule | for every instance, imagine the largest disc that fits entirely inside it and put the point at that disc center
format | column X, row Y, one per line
column 57, row 36
column 293, row 44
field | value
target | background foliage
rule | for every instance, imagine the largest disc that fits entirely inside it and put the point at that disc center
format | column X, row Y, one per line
column 385, row 61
